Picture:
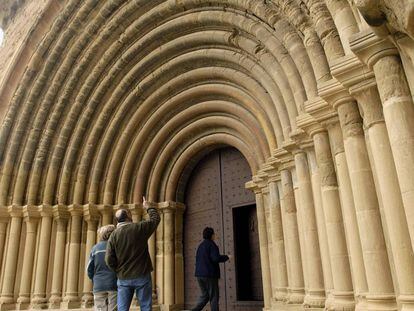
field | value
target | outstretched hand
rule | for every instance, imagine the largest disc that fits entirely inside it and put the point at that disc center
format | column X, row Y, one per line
column 145, row 203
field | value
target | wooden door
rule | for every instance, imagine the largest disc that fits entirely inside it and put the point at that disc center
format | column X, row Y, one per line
column 216, row 197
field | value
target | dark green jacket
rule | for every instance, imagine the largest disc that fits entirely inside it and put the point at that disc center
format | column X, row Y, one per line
column 127, row 250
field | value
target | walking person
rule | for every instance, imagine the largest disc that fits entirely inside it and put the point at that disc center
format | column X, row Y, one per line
column 104, row 279
column 208, row 271
column 127, row 254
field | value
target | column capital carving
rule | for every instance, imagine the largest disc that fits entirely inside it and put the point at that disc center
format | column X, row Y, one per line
column 15, row 210
column 319, row 109
column 31, row 212
column 251, row 185
column 334, row 93
column 350, row 71
column 75, row 210
column 46, row 210
column 91, row 213
column 369, row 48
column 60, row 212
column 284, row 155
column 309, row 124
column 171, row 206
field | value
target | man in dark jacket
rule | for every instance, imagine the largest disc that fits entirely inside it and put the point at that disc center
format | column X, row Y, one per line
column 103, row 278
column 127, row 254
column 208, row 271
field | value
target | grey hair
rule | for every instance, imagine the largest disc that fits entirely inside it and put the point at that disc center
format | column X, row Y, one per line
column 105, row 232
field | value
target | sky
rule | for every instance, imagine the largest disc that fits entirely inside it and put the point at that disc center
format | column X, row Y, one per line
column 1, row 36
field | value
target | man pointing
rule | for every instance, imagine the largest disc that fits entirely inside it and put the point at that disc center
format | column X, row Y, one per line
column 127, row 254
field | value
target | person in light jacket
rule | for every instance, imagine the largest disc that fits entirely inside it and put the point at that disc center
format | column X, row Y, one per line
column 103, row 278
column 207, row 271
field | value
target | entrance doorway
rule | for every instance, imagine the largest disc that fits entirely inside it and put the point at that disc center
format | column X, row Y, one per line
column 216, row 196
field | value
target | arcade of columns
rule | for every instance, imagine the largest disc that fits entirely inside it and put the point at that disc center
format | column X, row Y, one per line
column 105, row 101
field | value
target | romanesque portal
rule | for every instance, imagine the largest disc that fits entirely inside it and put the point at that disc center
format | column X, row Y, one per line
column 103, row 101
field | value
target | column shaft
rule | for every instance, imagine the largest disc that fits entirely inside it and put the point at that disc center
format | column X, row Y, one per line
column 71, row 298
column 389, row 191
column 398, row 108
column 3, row 233
column 264, row 256
column 169, row 292
column 39, row 295
column 380, row 287
column 59, row 258
column 266, row 203
column 294, row 259
column 10, row 266
column 28, row 259
column 279, row 256
column 179, row 258
column 323, row 238
column 87, row 298
column 315, row 296
column 159, row 260
column 350, row 219
column 341, row 274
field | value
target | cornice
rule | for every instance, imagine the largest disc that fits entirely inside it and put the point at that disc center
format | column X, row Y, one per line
column 369, row 48
column 334, row 93
column 350, row 70
column 319, row 109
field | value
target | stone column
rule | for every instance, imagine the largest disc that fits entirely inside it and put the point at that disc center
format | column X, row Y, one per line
column 39, row 300
column 159, row 260
column 91, row 217
column 264, row 256
column 296, row 291
column 276, row 230
column 61, row 217
column 266, row 204
column 107, row 214
column 71, row 299
column 31, row 220
column 179, row 257
column 389, row 190
column 315, row 296
column 350, row 219
column 169, row 223
column 398, row 109
column 341, row 274
column 380, row 294
column 10, row 265
column 320, row 219
column 4, row 220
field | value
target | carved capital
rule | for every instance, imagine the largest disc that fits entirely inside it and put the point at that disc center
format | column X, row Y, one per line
column 369, row 48
column 15, row 210
column 60, row 212
column 91, row 213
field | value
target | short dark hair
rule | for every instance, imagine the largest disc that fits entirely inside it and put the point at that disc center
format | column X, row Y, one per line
column 122, row 215
column 208, row 233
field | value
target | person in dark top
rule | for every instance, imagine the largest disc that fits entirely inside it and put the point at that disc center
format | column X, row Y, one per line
column 127, row 254
column 103, row 279
column 207, row 271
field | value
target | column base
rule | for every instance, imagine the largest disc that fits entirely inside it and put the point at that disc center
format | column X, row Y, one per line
column 407, row 302
column 295, row 295
column 343, row 301
column 314, row 299
column 39, row 303
column 23, row 303
column 281, row 294
column 70, row 301
column 381, row 303
column 87, row 301
column 55, row 301
column 174, row 307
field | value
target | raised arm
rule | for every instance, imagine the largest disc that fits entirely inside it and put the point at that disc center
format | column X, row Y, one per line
column 150, row 225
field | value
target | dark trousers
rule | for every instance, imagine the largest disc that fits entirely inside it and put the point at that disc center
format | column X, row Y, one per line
column 209, row 292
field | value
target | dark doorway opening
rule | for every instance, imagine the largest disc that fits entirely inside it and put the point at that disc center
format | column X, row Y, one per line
column 247, row 254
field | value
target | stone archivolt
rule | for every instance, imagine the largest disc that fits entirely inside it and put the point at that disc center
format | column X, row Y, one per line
column 111, row 100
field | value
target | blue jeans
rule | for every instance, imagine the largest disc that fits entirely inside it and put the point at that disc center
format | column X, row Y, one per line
column 142, row 286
